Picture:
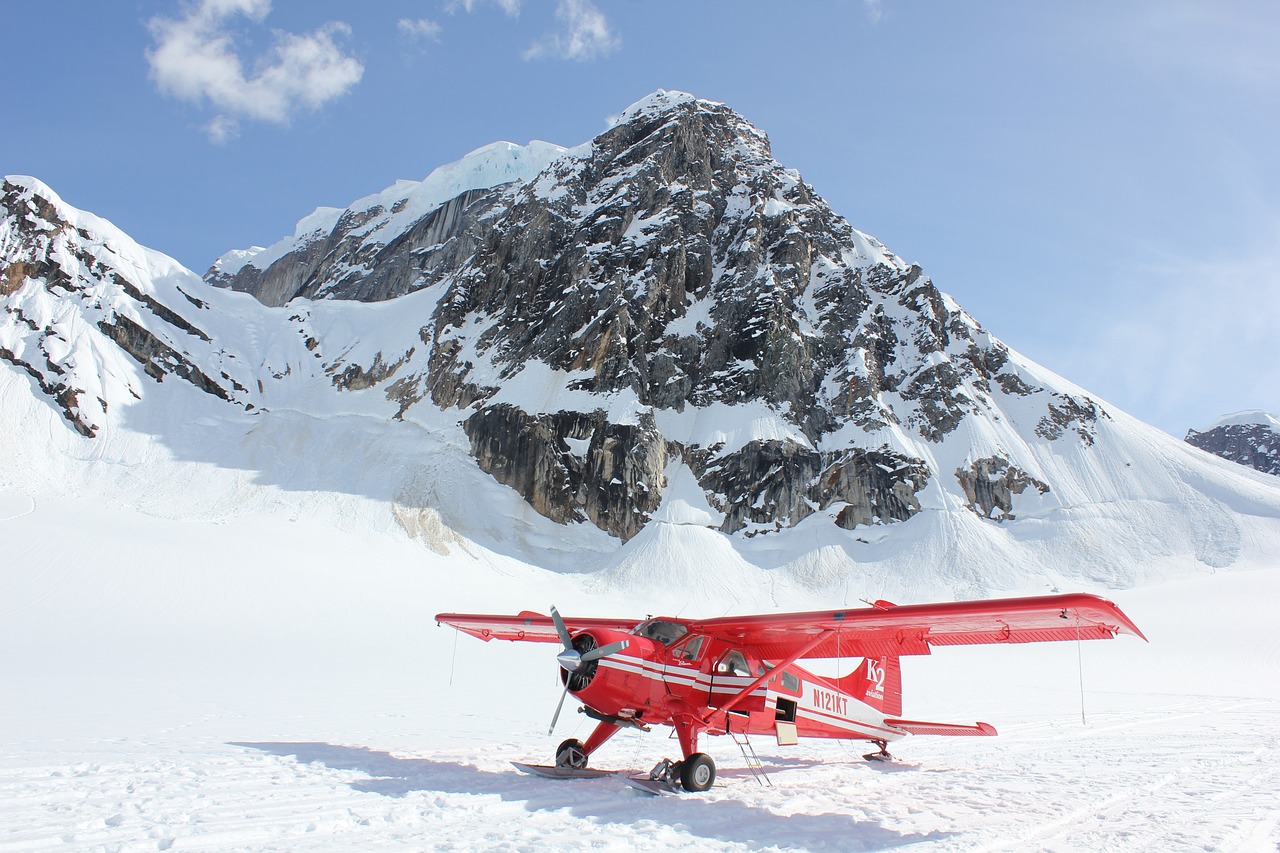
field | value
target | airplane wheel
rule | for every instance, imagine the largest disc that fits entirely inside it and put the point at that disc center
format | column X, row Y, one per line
column 571, row 754
column 697, row 772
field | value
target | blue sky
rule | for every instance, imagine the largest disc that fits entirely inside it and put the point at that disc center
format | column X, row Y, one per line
column 1096, row 182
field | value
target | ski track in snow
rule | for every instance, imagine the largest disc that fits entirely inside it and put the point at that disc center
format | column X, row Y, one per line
column 273, row 681
column 1197, row 773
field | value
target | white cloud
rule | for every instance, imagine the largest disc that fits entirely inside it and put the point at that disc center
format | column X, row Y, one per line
column 194, row 59
column 222, row 129
column 874, row 10
column 511, row 7
column 586, row 34
column 419, row 29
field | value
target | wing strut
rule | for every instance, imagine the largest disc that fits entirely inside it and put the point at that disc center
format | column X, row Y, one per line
column 746, row 691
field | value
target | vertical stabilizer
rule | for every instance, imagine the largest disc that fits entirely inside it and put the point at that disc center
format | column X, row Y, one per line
column 878, row 683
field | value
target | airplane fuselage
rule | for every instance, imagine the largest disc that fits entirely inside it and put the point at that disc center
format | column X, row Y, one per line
column 702, row 681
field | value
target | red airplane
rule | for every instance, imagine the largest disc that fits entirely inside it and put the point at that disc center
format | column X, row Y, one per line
column 738, row 674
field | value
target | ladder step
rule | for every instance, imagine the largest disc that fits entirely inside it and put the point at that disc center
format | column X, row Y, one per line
column 753, row 762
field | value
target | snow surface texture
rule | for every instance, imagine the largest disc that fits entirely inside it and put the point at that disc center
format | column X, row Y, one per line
column 274, row 682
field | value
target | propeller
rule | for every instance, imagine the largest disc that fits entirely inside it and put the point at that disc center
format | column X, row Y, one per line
column 575, row 658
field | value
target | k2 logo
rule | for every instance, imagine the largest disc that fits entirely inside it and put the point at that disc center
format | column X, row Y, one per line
column 875, row 674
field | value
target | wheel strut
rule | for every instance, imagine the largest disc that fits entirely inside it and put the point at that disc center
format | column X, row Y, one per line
column 882, row 755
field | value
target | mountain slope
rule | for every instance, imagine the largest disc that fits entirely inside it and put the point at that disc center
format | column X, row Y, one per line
column 659, row 331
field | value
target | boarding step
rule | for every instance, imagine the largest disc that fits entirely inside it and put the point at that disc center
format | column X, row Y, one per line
column 749, row 756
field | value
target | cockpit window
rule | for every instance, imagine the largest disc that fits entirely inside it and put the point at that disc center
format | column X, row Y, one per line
column 660, row 630
column 733, row 663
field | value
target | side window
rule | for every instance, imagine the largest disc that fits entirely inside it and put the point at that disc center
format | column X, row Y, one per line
column 790, row 682
column 690, row 649
column 733, row 663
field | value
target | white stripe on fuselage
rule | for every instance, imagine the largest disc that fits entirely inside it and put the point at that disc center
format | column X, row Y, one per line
column 870, row 724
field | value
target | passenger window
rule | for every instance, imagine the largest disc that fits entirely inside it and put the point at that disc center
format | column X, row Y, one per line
column 733, row 663
column 790, row 682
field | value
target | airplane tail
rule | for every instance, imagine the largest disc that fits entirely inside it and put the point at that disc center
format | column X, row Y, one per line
column 878, row 683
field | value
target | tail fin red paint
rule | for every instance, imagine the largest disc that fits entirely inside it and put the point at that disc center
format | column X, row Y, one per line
column 878, row 683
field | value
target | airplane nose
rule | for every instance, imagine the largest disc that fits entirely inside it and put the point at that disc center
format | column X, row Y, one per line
column 570, row 660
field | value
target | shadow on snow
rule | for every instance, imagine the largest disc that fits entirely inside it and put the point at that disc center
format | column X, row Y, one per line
column 600, row 800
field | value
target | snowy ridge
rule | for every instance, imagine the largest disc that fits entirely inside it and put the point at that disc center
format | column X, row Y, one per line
column 384, row 215
column 315, row 226
column 1249, row 417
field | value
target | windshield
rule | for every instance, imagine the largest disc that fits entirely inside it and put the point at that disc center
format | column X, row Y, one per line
column 660, row 630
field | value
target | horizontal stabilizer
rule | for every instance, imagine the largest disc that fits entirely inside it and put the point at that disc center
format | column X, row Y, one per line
column 917, row 727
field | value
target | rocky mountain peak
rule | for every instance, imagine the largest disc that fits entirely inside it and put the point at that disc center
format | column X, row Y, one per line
column 1249, row 438
column 664, row 303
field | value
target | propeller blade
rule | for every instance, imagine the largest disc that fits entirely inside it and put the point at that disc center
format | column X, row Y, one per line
column 556, row 716
column 605, row 651
column 561, row 629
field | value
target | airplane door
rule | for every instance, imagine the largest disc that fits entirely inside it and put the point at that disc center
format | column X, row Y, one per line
column 680, row 671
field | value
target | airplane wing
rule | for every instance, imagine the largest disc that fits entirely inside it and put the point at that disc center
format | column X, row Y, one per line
column 891, row 630
column 527, row 626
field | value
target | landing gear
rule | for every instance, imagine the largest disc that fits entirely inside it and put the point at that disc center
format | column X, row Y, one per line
column 667, row 771
column 571, row 754
column 882, row 755
column 697, row 772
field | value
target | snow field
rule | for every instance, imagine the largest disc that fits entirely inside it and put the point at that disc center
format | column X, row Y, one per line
column 262, row 683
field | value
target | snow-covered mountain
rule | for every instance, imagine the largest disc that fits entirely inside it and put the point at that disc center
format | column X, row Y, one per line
column 1251, row 438
column 659, row 344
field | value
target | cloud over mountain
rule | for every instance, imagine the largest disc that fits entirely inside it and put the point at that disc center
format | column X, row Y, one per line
column 195, row 59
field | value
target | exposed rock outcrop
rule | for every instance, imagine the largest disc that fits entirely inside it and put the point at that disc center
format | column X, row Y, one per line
column 1248, row 438
column 990, row 484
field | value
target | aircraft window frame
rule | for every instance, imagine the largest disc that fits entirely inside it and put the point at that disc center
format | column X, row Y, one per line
column 725, row 667
column 662, row 631
column 690, row 649
column 790, row 682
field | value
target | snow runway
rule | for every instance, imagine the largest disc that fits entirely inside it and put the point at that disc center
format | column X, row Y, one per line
column 1194, row 773
column 264, row 683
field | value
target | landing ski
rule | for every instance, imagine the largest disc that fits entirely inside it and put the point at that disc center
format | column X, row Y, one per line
column 657, row 787
column 549, row 772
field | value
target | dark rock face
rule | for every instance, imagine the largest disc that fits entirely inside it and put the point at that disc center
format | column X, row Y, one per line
column 574, row 467
column 580, row 467
column 344, row 264
column 676, row 261
column 989, row 485
column 1070, row 413
column 158, row 359
column 779, row 483
column 1255, row 445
